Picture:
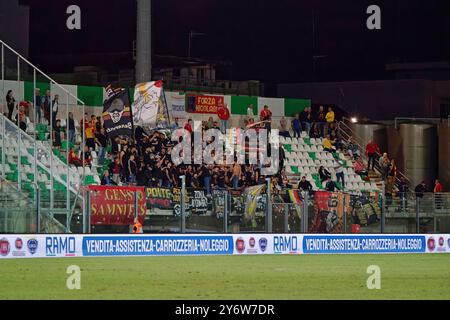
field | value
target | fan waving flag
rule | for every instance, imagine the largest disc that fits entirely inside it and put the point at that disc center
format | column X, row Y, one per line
column 148, row 107
column 117, row 115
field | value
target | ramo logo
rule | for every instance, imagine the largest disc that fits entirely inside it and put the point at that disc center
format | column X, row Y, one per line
column 32, row 245
column 4, row 247
column 56, row 246
column 263, row 244
column 431, row 243
column 240, row 245
column 285, row 244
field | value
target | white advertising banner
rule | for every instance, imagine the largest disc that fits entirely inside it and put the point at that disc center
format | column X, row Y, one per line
column 67, row 245
column 176, row 104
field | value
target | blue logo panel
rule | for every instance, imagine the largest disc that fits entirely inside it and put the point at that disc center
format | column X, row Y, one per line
column 156, row 245
column 364, row 244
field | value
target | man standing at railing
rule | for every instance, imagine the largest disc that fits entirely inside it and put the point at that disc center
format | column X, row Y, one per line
column 437, row 197
column 266, row 115
column 372, row 149
column 420, row 189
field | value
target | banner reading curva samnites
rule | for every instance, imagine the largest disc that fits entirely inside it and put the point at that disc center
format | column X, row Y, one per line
column 116, row 205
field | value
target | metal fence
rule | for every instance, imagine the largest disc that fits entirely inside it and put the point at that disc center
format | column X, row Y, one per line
column 229, row 211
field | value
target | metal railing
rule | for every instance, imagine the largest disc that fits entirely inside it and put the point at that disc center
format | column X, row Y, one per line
column 35, row 165
column 347, row 133
column 233, row 211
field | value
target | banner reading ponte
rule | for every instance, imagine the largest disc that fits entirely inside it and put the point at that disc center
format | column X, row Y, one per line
column 116, row 205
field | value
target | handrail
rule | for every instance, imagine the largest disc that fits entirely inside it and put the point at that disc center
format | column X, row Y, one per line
column 41, row 72
column 362, row 150
column 43, row 146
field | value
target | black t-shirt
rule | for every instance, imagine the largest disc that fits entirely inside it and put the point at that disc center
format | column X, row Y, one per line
column 132, row 166
column 57, row 135
column 305, row 185
column 205, row 172
column 158, row 173
column 114, row 146
column 221, row 181
column 102, row 139
column 320, row 116
column 330, row 186
column 71, row 124
column 125, row 159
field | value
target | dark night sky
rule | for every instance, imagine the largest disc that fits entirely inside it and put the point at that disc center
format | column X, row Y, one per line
column 265, row 40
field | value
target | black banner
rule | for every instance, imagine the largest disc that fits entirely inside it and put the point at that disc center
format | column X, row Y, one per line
column 117, row 115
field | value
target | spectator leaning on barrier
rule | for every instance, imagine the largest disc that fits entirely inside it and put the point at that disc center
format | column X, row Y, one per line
column 420, row 189
column 437, row 187
column 437, row 197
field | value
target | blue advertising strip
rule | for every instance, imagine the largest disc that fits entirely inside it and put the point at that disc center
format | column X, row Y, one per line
column 364, row 244
column 156, row 245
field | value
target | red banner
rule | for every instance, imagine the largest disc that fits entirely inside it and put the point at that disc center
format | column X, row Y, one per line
column 329, row 211
column 115, row 205
column 203, row 104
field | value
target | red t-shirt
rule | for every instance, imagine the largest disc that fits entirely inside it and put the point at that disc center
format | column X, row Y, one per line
column 223, row 113
column 265, row 114
column 372, row 148
column 188, row 127
column 438, row 188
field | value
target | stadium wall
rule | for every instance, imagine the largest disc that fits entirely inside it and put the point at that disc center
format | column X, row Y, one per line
column 66, row 245
column 94, row 96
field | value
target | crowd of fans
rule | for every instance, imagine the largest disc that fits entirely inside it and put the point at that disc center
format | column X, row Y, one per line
column 146, row 159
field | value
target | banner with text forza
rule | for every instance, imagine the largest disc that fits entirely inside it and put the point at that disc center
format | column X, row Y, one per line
column 116, row 205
